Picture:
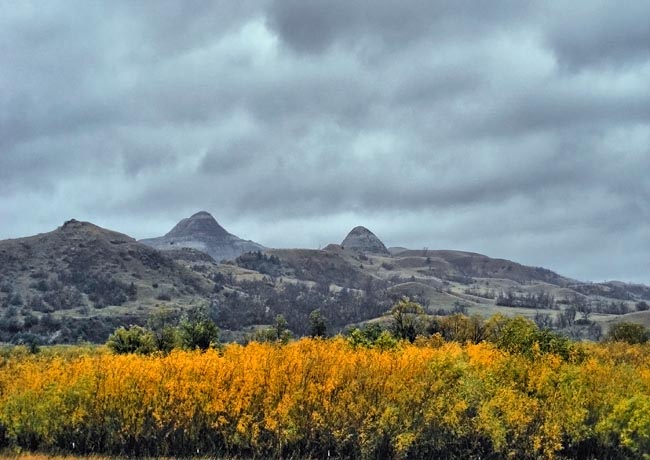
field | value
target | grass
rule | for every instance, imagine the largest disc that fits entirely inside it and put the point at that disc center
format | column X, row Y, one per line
column 39, row 456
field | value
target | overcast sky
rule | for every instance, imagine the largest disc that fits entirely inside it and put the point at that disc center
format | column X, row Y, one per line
column 517, row 129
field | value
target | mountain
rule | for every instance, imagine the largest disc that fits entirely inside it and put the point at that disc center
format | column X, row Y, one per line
column 357, row 282
column 362, row 240
column 202, row 232
column 80, row 281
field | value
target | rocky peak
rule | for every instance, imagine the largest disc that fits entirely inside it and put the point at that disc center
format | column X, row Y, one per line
column 202, row 232
column 363, row 240
column 200, row 224
column 74, row 229
column 74, row 224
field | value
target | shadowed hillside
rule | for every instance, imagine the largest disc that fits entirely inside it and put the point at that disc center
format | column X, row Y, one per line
column 80, row 280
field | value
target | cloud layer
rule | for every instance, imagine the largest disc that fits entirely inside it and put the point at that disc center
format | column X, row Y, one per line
column 516, row 129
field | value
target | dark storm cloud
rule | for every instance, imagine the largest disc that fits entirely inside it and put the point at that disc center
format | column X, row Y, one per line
column 599, row 33
column 517, row 129
column 313, row 26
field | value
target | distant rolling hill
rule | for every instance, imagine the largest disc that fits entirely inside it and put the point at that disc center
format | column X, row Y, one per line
column 81, row 281
column 83, row 272
column 468, row 264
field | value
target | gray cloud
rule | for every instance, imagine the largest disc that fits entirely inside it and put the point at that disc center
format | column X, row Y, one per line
column 516, row 129
column 314, row 26
column 599, row 33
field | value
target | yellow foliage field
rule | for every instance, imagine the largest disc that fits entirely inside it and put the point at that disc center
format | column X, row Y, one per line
column 311, row 398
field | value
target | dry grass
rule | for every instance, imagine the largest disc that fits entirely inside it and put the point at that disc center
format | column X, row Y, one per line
column 38, row 456
column 35, row 456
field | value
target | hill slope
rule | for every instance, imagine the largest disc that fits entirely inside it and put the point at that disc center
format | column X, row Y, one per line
column 450, row 264
column 81, row 281
column 82, row 271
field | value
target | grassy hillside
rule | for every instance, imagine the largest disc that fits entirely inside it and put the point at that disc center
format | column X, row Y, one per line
column 81, row 280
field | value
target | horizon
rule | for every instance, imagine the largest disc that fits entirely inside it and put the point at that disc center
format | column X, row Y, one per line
column 388, row 244
column 519, row 130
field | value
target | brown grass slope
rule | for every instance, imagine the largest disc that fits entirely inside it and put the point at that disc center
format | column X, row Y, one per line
column 81, row 271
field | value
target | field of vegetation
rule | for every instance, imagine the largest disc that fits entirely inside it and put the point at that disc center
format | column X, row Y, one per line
column 518, row 393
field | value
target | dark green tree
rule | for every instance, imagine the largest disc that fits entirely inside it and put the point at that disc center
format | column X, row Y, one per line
column 522, row 336
column 279, row 332
column 317, row 324
column 631, row 333
column 29, row 340
column 134, row 339
column 282, row 332
column 407, row 320
column 197, row 331
column 372, row 336
column 163, row 325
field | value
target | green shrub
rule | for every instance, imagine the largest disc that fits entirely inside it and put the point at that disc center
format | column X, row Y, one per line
column 631, row 333
column 134, row 339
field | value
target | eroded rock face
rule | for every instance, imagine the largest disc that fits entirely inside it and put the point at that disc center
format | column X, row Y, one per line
column 202, row 232
column 200, row 224
column 363, row 240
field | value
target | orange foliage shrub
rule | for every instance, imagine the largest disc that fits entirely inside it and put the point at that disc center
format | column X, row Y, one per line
column 425, row 400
